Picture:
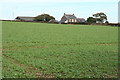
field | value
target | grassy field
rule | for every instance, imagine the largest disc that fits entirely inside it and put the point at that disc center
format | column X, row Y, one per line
column 32, row 50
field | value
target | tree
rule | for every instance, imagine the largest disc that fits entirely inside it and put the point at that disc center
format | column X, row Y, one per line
column 106, row 22
column 91, row 20
column 44, row 17
column 100, row 17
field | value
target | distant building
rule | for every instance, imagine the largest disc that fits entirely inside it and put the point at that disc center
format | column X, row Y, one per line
column 119, row 12
column 71, row 18
column 81, row 20
column 25, row 18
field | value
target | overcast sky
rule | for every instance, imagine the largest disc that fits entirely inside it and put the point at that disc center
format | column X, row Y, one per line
column 9, row 9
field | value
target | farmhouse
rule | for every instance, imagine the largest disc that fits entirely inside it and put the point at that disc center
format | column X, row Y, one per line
column 68, row 18
column 71, row 18
column 25, row 18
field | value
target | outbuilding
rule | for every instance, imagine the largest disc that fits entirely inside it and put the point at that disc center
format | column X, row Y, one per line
column 19, row 18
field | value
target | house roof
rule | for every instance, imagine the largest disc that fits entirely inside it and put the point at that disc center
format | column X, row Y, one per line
column 70, row 16
column 81, row 19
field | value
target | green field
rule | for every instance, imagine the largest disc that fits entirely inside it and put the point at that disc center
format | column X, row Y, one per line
column 40, row 50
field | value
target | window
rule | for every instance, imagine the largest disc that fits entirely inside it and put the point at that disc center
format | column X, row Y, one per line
column 75, row 20
column 72, row 20
column 69, row 20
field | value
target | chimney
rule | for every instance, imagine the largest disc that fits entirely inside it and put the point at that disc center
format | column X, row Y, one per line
column 73, row 14
column 64, row 13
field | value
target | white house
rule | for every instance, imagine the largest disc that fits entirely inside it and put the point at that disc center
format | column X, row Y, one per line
column 71, row 18
column 68, row 18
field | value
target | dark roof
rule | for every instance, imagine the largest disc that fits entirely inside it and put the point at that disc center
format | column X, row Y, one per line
column 25, row 18
column 21, row 17
column 69, row 16
column 81, row 19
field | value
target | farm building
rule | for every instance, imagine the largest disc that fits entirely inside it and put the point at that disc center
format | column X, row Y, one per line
column 71, row 18
column 81, row 19
column 25, row 18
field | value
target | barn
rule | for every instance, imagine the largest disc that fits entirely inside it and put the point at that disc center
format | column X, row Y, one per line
column 19, row 18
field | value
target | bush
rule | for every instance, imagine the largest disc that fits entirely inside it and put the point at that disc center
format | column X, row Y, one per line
column 44, row 17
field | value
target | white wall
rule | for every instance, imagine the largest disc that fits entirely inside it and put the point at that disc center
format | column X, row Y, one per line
column 75, row 20
column 72, row 20
column 66, row 21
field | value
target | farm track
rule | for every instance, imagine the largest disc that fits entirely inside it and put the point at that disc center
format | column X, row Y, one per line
column 30, row 69
column 54, row 45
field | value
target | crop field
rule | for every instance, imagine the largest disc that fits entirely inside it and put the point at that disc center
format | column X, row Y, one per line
column 41, row 50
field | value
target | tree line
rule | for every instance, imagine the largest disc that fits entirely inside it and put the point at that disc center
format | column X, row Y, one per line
column 44, row 17
column 96, row 18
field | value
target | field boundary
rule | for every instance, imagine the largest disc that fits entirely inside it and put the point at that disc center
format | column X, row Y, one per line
column 55, row 45
column 102, row 24
column 0, row 49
